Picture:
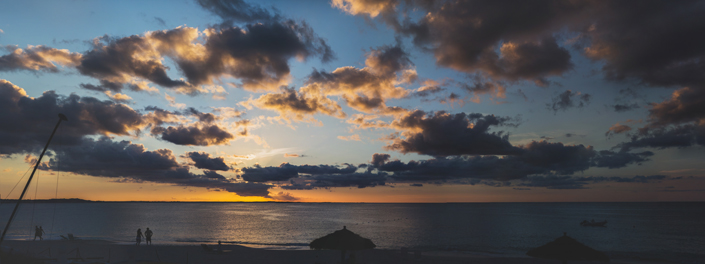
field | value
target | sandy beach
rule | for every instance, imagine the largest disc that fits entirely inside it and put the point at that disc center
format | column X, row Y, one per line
column 97, row 251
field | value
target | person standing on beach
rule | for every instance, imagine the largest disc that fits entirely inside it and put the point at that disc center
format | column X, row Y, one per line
column 37, row 233
column 41, row 233
column 148, row 236
column 139, row 236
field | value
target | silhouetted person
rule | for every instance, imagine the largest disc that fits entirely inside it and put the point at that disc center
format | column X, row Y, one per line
column 139, row 236
column 148, row 236
column 38, row 232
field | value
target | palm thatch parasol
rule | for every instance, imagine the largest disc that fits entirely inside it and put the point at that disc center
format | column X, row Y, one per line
column 343, row 239
column 566, row 248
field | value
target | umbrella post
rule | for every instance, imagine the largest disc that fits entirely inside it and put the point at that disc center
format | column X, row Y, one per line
column 342, row 256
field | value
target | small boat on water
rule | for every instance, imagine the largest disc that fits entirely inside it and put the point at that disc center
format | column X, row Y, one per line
column 593, row 223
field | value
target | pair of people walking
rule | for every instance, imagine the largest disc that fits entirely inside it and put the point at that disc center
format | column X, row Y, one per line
column 147, row 236
column 38, row 232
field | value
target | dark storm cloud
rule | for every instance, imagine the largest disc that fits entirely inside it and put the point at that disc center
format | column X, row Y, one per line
column 239, row 11
column 257, row 54
column 283, row 172
column 660, row 138
column 202, row 117
column 568, row 99
column 359, row 180
column 33, row 119
column 103, row 86
column 379, row 159
column 36, row 58
column 685, row 105
column 194, row 135
column 286, row 171
column 614, row 160
column 536, row 158
column 203, row 160
column 482, row 86
column 119, row 59
column 107, row 158
column 656, row 42
column 444, row 134
column 467, row 35
column 624, row 107
column 676, row 122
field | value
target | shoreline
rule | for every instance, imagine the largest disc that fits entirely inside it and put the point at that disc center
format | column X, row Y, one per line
column 103, row 251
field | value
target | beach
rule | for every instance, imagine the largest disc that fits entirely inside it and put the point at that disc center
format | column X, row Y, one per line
column 442, row 233
column 101, row 251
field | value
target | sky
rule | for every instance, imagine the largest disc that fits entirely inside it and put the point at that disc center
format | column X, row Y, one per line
column 354, row 100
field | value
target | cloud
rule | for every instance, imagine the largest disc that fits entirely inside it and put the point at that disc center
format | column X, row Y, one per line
column 614, row 160
column 482, row 86
column 37, row 58
column 505, row 42
column 256, row 54
column 195, row 135
column 172, row 101
column 195, row 128
column 676, row 122
column 667, row 51
column 106, row 158
column 294, row 155
column 118, row 97
column 34, row 118
column 617, row 129
column 535, row 158
column 685, row 105
column 354, row 137
column 284, row 196
column 118, row 60
column 367, row 89
column 624, row 107
column 660, row 138
column 656, row 43
column 286, row 171
column 428, row 88
column 203, row 160
column 444, row 134
column 239, row 11
column 160, row 21
column 297, row 106
column 569, row 99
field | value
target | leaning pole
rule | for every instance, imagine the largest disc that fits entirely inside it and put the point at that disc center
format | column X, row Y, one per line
column 62, row 117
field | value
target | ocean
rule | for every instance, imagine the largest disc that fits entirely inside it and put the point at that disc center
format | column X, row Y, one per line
column 645, row 231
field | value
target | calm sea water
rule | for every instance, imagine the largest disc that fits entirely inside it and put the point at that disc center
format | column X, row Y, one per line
column 668, row 231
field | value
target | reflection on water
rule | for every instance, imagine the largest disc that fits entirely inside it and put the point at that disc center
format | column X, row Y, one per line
column 658, row 230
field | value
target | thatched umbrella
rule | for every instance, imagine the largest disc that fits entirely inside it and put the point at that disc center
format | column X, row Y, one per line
column 566, row 248
column 343, row 240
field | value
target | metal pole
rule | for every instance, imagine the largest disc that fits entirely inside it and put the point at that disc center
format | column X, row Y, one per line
column 61, row 118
